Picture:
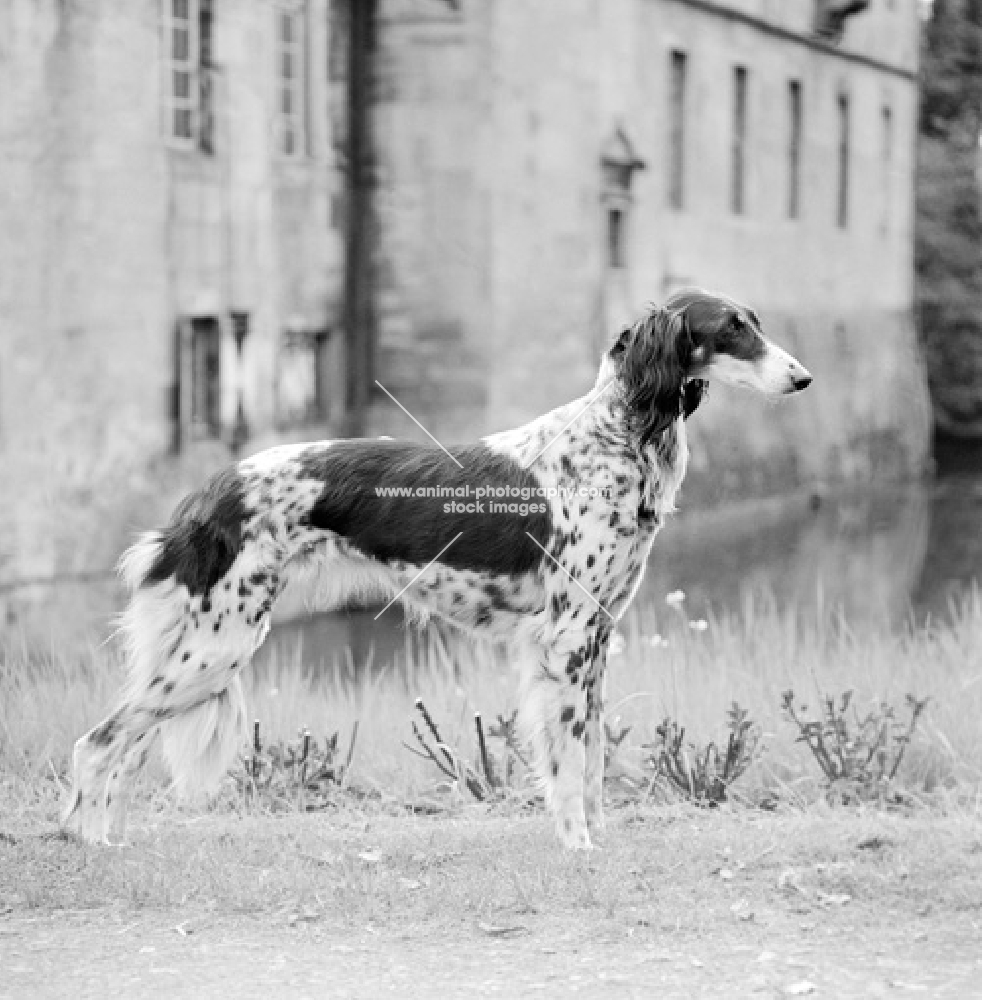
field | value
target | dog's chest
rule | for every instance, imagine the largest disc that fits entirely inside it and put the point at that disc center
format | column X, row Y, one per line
column 608, row 508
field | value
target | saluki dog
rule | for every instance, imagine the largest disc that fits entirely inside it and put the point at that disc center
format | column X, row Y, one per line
column 537, row 536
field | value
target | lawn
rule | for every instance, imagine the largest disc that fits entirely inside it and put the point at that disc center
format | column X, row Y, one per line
column 402, row 869
column 360, row 902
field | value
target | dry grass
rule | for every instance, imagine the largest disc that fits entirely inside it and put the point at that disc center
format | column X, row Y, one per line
column 677, row 899
column 680, row 902
column 664, row 665
column 361, row 865
column 826, row 884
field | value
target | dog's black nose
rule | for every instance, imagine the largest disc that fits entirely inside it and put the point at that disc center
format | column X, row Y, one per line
column 801, row 382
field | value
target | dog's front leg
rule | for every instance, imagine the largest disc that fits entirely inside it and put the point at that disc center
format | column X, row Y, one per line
column 555, row 709
column 595, row 741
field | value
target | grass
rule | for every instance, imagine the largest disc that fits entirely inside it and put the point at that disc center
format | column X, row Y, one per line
column 361, row 866
column 662, row 665
column 748, row 899
column 679, row 902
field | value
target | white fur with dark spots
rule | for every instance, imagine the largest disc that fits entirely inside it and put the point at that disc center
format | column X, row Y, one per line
column 552, row 585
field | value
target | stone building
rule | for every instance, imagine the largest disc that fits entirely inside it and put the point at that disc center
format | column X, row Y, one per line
column 171, row 255
column 551, row 166
column 223, row 221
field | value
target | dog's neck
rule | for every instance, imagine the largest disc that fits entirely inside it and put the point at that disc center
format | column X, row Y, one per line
column 609, row 399
column 661, row 460
column 604, row 416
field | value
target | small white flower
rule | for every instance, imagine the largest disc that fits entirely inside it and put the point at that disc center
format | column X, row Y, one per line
column 617, row 645
column 273, row 692
column 655, row 641
column 675, row 598
column 699, row 625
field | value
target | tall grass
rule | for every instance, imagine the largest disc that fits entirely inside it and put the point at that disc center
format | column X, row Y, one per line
column 663, row 664
column 752, row 655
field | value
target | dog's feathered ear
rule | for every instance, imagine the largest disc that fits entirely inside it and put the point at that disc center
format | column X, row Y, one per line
column 693, row 393
column 653, row 356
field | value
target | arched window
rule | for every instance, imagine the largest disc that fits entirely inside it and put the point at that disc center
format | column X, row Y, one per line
column 618, row 162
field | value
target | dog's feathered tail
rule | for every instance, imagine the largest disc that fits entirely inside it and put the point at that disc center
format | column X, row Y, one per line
column 200, row 742
column 200, row 745
column 136, row 562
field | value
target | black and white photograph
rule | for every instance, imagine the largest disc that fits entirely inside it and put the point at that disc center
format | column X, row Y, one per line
column 490, row 499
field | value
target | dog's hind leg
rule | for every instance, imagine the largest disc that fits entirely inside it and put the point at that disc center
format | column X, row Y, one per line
column 94, row 755
column 103, row 758
column 119, row 786
column 186, row 654
column 202, row 716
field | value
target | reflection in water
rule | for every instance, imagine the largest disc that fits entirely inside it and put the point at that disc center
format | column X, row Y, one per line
column 880, row 555
column 860, row 552
column 345, row 640
column 953, row 560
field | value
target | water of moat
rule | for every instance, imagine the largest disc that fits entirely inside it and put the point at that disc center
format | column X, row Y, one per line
column 881, row 555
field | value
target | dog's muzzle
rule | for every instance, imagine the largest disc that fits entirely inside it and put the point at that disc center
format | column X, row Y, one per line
column 800, row 377
column 782, row 374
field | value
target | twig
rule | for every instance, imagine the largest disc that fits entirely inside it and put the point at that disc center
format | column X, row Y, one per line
column 482, row 746
column 505, row 731
column 56, row 776
column 450, row 764
column 351, row 752
column 431, row 725
column 917, row 705
column 305, row 756
column 449, row 771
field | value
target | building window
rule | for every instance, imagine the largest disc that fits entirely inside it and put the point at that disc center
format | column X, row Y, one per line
column 338, row 36
column 842, row 186
column 240, row 333
column 676, row 132
column 303, row 378
column 199, row 351
column 206, row 377
column 886, row 165
column 206, row 76
column 189, row 73
column 619, row 162
column 738, row 178
column 615, row 238
column 181, row 46
column 794, row 149
column 291, row 77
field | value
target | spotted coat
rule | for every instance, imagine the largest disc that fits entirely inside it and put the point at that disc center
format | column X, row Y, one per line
column 586, row 488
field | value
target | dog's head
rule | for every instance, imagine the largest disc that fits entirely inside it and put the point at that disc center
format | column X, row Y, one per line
column 666, row 359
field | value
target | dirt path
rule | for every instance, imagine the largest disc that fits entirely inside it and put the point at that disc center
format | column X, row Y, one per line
column 678, row 903
column 106, row 955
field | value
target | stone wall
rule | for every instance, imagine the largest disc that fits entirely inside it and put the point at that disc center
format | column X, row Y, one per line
column 495, row 297
column 494, row 222
column 110, row 234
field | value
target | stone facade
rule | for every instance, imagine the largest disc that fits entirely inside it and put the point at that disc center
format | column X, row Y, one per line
column 496, row 280
column 499, row 287
column 116, row 237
